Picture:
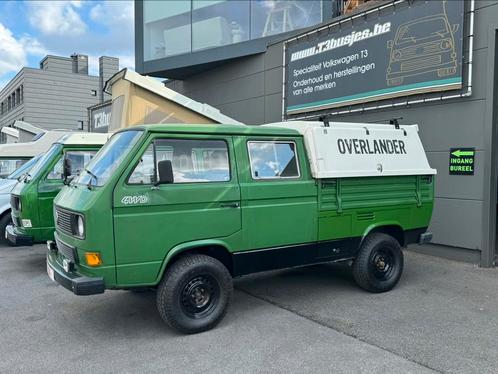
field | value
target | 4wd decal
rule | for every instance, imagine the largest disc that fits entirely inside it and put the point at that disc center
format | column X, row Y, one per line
column 138, row 199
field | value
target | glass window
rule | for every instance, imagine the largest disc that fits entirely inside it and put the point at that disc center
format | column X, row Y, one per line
column 277, row 16
column 23, row 169
column 144, row 172
column 77, row 160
column 195, row 160
column 167, row 26
column 181, row 26
column 110, row 156
column 217, row 23
column 46, row 159
column 273, row 159
column 7, row 166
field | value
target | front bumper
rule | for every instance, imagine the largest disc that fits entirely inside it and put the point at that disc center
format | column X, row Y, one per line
column 16, row 238
column 74, row 282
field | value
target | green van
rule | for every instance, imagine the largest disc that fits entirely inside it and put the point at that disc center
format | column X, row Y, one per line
column 185, row 208
column 32, row 198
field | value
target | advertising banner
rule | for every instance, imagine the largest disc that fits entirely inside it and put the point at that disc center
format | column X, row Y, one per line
column 100, row 118
column 415, row 48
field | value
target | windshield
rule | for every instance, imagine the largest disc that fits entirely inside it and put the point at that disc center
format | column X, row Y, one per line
column 46, row 158
column 100, row 169
column 9, row 165
column 423, row 30
column 24, row 168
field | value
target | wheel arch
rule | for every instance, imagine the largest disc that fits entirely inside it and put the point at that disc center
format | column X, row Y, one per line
column 213, row 248
column 393, row 229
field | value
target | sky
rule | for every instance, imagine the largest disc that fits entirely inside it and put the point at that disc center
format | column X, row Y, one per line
column 29, row 30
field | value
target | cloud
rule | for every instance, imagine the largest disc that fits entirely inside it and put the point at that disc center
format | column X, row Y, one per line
column 12, row 54
column 113, row 13
column 56, row 17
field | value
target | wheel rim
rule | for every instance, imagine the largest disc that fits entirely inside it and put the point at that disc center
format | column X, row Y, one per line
column 383, row 264
column 200, row 296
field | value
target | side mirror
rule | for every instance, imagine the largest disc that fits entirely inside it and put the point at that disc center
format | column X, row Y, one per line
column 389, row 44
column 67, row 170
column 455, row 27
column 165, row 169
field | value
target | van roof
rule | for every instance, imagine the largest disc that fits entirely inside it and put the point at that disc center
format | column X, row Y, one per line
column 216, row 129
column 84, row 138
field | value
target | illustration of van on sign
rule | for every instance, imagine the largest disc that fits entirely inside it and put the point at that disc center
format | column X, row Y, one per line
column 421, row 46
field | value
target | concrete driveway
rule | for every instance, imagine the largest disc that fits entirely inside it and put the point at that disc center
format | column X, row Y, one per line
column 440, row 318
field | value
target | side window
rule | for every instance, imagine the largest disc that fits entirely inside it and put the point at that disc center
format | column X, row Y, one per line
column 273, row 159
column 193, row 161
column 77, row 160
column 144, row 172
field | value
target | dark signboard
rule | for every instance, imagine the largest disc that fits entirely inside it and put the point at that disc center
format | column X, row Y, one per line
column 462, row 161
column 100, row 117
column 410, row 48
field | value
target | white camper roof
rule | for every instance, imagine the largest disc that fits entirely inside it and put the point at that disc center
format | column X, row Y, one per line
column 10, row 131
column 158, row 88
column 361, row 149
column 84, row 138
column 33, row 148
column 28, row 127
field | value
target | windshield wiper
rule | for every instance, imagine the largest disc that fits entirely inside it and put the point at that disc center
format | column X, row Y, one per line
column 24, row 177
column 89, row 185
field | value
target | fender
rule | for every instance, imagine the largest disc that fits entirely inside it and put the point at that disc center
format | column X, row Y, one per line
column 183, row 247
column 376, row 225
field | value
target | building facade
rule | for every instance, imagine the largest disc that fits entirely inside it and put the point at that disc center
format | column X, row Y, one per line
column 57, row 95
column 453, row 99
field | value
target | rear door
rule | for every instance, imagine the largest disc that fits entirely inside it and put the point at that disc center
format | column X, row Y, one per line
column 202, row 203
column 279, row 197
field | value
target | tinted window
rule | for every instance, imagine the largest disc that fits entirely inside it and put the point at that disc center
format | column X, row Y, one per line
column 273, row 159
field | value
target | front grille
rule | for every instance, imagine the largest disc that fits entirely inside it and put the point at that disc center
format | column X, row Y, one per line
column 420, row 63
column 14, row 202
column 64, row 220
column 17, row 221
column 67, row 251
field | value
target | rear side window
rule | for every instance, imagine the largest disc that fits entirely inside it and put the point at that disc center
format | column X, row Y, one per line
column 273, row 159
column 193, row 161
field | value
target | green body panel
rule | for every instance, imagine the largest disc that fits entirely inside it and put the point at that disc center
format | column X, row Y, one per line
column 137, row 241
column 37, row 197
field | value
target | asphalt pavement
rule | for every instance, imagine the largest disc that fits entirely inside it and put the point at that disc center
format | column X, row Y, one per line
column 440, row 318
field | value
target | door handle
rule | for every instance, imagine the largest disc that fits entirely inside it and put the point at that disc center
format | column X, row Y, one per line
column 230, row 205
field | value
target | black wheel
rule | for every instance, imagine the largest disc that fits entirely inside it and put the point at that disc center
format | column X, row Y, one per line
column 4, row 222
column 379, row 263
column 194, row 294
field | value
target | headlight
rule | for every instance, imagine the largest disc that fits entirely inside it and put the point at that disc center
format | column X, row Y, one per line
column 80, row 226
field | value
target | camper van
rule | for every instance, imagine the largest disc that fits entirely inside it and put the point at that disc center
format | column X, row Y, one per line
column 13, row 155
column 32, row 198
column 6, row 186
column 185, row 208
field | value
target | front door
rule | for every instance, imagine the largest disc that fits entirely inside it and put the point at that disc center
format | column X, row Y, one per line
column 52, row 183
column 202, row 203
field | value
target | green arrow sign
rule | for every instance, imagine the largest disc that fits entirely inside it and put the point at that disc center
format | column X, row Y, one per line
column 459, row 153
column 462, row 161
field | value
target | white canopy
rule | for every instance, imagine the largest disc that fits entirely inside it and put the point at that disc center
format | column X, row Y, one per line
column 361, row 149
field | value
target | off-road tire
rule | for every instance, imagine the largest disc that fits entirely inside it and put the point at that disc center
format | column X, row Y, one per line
column 383, row 249
column 176, row 293
column 4, row 222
